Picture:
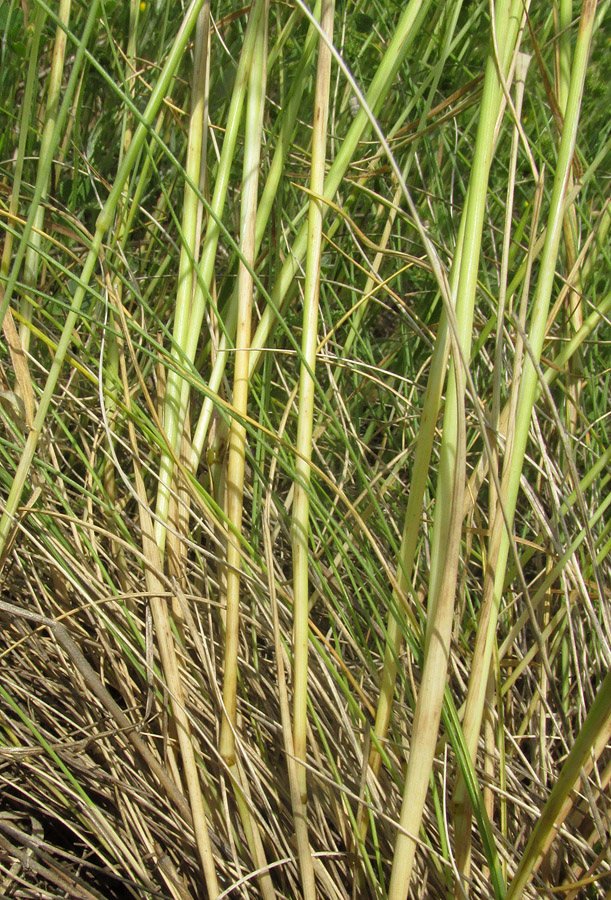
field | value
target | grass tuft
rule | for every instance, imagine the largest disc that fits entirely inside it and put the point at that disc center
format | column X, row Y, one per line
column 304, row 430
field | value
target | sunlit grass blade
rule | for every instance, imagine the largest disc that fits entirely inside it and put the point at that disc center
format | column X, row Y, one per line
column 450, row 482
column 500, row 541
column 300, row 528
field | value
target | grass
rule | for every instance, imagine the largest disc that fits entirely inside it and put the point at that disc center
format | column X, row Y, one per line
column 304, row 530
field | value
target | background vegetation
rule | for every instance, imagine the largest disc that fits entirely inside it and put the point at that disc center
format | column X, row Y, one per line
column 305, row 449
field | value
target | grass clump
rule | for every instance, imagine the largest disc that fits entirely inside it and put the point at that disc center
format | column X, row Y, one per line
column 304, row 530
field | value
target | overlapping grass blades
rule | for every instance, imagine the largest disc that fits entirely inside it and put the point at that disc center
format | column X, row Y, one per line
column 305, row 494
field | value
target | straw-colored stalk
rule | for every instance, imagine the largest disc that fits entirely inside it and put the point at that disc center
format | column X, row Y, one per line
column 461, row 806
column 174, row 415
column 237, row 434
column 301, row 503
column 179, row 507
column 411, row 525
column 430, row 697
column 237, row 439
column 570, row 224
column 448, row 510
column 499, row 543
column 407, row 553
